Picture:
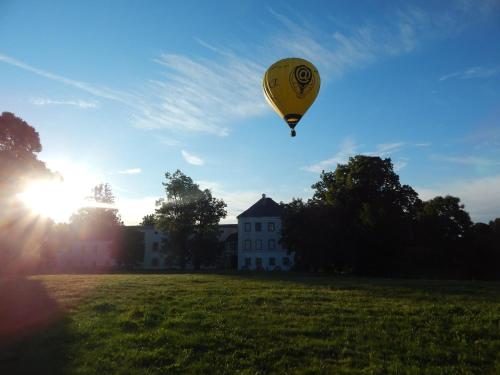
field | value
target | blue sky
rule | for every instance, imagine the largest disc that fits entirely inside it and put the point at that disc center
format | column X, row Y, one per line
column 128, row 90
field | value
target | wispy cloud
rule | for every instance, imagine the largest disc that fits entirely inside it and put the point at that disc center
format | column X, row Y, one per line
column 466, row 160
column 192, row 159
column 96, row 90
column 358, row 46
column 385, row 149
column 471, row 73
column 481, row 196
column 400, row 164
column 131, row 171
column 347, row 149
column 168, row 141
column 77, row 103
column 425, row 144
column 200, row 95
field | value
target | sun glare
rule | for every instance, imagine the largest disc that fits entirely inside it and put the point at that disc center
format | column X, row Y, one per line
column 58, row 199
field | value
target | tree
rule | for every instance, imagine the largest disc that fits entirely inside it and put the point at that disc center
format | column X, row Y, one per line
column 445, row 218
column 480, row 257
column 19, row 147
column 189, row 216
column 368, row 195
column 102, row 193
column 19, row 164
column 441, row 227
column 367, row 181
column 148, row 220
column 100, row 220
column 205, row 244
column 129, row 249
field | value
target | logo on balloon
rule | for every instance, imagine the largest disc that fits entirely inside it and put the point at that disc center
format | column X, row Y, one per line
column 302, row 80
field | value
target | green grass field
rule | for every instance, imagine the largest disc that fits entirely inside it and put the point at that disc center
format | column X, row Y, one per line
column 247, row 323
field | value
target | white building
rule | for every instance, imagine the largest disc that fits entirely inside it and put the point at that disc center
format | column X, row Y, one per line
column 259, row 233
column 87, row 255
column 154, row 257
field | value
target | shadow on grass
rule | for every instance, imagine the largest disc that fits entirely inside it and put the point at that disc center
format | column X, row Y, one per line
column 32, row 329
column 377, row 287
column 380, row 287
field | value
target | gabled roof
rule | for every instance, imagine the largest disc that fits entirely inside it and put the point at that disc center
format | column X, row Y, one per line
column 264, row 207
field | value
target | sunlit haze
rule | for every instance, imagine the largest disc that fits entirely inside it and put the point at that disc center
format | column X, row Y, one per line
column 59, row 198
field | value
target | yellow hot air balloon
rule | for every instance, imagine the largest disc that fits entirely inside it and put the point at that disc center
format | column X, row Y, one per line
column 291, row 86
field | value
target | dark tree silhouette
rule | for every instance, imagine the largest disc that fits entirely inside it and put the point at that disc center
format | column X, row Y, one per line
column 318, row 235
column 19, row 165
column 149, row 220
column 19, row 147
column 190, row 217
column 129, row 248
column 441, row 228
column 379, row 211
column 100, row 220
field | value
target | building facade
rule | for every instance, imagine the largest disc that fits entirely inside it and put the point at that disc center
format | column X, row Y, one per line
column 154, row 257
column 90, row 255
column 259, row 234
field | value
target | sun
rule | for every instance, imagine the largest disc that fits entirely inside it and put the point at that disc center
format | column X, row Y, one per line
column 59, row 198
column 47, row 198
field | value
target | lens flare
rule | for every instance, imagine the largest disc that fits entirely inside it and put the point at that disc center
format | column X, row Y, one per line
column 59, row 198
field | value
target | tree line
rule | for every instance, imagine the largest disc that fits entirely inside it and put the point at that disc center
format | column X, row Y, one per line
column 361, row 220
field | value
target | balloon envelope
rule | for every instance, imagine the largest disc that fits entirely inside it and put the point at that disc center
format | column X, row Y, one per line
column 291, row 86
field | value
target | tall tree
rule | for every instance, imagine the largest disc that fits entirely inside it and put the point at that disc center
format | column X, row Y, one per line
column 129, row 248
column 99, row 220
column 205, row 245
column 21, row 233
column 442, row 227
column 445, row 218
column 149, row 220
column 189, row 216
column 380, row 211
column 368, row 185
column 19, row 148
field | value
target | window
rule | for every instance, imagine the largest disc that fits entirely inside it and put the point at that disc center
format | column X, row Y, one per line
column 286, row 261
column 258, row 227
column 271, row 244
column 155, row 246
column 258, row 262
column 270, row 227
column 248, row 227
column 248, row 245
column 248, row 262
column 154, row 262
column 258, row 244
column 272, row 261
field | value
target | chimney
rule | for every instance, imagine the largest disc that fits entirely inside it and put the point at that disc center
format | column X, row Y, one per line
column 263, row 196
